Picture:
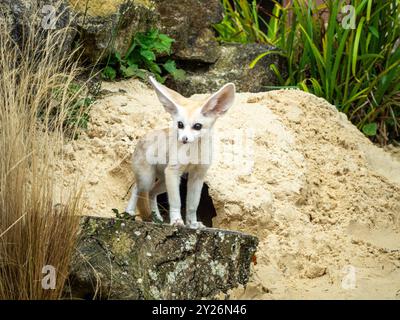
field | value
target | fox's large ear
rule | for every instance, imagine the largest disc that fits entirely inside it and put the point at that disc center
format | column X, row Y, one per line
column 220, row 101
column 165, row 96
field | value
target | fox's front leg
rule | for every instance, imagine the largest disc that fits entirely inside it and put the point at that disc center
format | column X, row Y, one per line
column 194, row 187
column 172, row 182
column 131, row 207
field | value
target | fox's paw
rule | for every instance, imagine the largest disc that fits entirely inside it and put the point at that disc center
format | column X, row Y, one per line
column 130, row 212
column 156, row 216
column 177, row 222
column 196, row 225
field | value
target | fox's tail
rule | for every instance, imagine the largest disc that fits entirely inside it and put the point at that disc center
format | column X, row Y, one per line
column 143, row 205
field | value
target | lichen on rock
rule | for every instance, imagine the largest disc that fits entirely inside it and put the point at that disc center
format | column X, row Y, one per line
column 123, row 259
column 96, row 7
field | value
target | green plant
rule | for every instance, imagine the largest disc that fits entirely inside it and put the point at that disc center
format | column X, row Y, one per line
column 358, row 69
column 143, row 55
column 243, row 24
column 76, row 113
column 122, row 215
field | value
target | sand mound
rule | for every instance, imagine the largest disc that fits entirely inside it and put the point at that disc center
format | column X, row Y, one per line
column 323, row 200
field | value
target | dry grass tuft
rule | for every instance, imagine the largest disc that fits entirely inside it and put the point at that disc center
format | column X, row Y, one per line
column 34, row 230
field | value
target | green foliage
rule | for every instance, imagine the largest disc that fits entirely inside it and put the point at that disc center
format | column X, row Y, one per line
column 109, row 73
column 122, row 215
column 358, row 69
column 370, row 129
column 78, row 111
column 243, row 24
column 141, row 56
column 76, row 114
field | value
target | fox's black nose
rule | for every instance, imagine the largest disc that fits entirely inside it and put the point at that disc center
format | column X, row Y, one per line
column 184, row 139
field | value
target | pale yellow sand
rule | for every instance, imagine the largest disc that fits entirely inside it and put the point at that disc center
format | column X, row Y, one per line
column 324, row 201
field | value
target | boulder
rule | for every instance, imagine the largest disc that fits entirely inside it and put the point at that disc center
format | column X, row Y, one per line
column 190, row 23
column 125, row 259
column 232, row 66
column 110, row 24
column 19, row 16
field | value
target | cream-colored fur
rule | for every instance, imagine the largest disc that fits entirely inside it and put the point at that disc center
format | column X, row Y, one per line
column 163, row 156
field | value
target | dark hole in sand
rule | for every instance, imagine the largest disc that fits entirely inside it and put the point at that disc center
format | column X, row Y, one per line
column 205, row 210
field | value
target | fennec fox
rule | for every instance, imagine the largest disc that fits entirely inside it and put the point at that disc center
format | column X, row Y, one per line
column 192, row 123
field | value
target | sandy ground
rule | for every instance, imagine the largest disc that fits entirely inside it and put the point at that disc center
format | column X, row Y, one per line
column 324, row 201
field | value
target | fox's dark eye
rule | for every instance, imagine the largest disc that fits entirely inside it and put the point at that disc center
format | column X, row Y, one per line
column 197, row 126
column 180, row 125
